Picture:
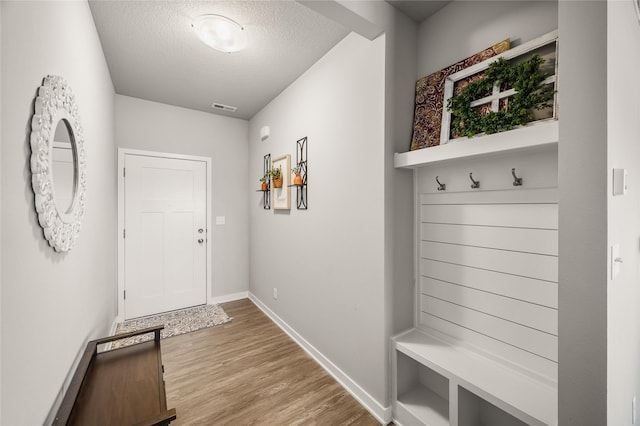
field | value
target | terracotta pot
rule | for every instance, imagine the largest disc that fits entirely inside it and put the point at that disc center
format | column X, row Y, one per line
column 297, row 180
column 264, row 186
column 277, row 182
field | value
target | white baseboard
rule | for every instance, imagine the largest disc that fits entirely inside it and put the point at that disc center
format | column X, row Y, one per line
column 229, row 297
column 382, row 414
column 114, row 325
column 112, row 332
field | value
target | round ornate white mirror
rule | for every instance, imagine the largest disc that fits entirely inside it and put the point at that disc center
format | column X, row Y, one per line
column 58, row 174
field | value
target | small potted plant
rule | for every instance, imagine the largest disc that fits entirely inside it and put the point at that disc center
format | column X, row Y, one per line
column 276, row 177
column 263, row 180
column 297, row 180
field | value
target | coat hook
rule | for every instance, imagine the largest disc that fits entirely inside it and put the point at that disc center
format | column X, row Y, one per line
column 517, row 181
column 441, row 186
column 476, row 183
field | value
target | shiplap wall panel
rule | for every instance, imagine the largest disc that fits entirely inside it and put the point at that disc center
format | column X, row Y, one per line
column 514, row 355
column 524, row 313
column 510, row 262
column 540, row 292
column 543, row 241
column 543, row 344
column 544, row 216
column 521, row 196
column 489, row 271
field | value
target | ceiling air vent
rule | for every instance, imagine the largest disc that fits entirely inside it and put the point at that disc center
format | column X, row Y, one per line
column 224, row 107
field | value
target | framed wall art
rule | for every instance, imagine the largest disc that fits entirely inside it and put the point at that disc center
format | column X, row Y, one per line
column 280, row 190
column 430, row 94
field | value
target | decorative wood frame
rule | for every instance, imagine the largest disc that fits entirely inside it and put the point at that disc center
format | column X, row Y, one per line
column 281, row 197
column 56, row 102
column 497, row 95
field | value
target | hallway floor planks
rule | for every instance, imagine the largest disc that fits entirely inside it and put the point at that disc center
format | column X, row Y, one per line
column 249, row 372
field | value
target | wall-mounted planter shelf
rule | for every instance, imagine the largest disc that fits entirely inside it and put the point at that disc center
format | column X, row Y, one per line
column 303, row 163
column 266, row 193
column 536, row 136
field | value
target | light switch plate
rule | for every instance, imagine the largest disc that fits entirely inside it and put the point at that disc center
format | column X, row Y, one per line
column 619, row 181
column 220, row 220
column 615, row 264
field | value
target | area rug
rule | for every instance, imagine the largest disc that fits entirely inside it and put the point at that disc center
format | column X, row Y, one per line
column 175, row 323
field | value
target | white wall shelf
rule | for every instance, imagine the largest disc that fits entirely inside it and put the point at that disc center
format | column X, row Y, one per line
column 535, row 136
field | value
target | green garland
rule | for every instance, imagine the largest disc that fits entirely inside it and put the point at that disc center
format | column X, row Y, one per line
column 525, row 77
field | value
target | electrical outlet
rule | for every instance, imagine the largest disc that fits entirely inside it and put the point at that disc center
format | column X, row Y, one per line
column 634, row 415
column 275, row 293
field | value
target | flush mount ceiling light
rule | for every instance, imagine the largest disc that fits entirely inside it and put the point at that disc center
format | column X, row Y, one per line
column 220, row 33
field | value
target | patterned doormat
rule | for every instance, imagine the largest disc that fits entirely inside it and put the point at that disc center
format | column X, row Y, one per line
column 175, row 323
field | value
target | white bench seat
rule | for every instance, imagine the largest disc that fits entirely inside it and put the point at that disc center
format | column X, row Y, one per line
column 524, row 397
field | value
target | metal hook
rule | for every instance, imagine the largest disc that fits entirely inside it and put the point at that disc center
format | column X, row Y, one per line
column 516, row 180
column 476, row 183
column 441, row 186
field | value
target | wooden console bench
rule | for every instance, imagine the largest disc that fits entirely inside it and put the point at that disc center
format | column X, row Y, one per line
column 123, row 386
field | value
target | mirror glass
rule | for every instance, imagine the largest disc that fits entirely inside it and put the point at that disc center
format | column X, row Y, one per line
column 64, row 167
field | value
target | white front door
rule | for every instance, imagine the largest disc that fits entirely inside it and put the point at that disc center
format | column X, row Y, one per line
column 165, row 234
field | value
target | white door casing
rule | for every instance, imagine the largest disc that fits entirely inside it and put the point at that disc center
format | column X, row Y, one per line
column 163, row 218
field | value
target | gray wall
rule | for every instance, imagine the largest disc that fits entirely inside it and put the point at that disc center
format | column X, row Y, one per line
column 52, row 303
column 159, row 127
column 583, row 188
column 400, row 73
column 369, row 19
column 623, row 111
column 0, row 219
column 327, row 262
column 463, row 28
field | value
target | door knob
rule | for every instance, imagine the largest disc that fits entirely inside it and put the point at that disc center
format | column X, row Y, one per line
column 200, row 240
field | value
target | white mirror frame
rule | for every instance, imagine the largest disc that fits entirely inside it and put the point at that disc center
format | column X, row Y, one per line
column 55, row 101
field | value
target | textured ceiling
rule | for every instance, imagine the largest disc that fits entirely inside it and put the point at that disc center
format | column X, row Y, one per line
column 153, row 53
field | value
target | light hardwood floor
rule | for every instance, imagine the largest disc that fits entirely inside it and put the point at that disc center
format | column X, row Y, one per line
column 249, row 372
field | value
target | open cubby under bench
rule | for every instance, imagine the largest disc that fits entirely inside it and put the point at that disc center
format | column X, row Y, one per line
column 123, row 386
column 437, row 382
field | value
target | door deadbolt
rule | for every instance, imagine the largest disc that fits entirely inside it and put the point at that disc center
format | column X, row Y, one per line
column 200, row 231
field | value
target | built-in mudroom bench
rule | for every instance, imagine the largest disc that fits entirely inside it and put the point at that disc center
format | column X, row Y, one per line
column 441, row 382
column 484, row 347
